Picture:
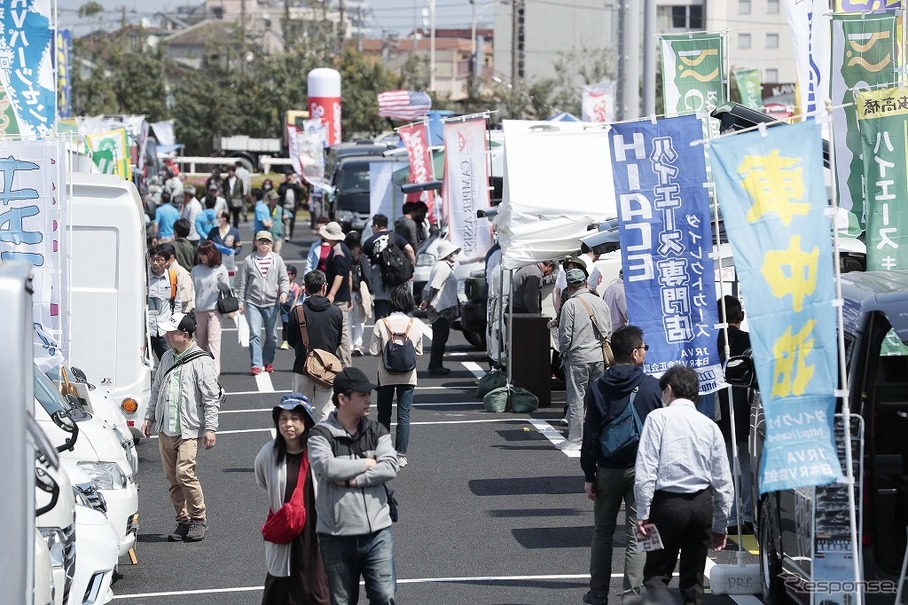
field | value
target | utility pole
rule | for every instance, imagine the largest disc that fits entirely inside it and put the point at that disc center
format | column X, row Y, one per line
column 628, row 65
column 649, row 57
column 340, row 28
column 243, row 35
column 286, row 29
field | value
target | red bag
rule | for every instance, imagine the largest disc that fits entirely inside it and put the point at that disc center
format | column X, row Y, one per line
column 285, row 525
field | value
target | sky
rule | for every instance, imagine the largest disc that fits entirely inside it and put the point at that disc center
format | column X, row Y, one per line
column 392, row 15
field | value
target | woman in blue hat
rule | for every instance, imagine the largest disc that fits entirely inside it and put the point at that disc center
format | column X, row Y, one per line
column 296, row 574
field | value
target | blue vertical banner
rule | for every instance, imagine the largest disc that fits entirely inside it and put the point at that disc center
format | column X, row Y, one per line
column 773, row 200
column 63, row 52
column 26, row 55
column 666, row 243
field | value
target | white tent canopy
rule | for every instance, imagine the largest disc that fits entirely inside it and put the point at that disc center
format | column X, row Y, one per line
column 557, row 180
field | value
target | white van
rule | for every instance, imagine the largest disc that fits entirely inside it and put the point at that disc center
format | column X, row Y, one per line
column 96, row 451
column 105, row 287
column 55, row 518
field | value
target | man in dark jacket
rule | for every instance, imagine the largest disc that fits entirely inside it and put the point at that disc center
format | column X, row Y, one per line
column 324, row 325
column 609, row 480
column 337, row 272
column 738, row 342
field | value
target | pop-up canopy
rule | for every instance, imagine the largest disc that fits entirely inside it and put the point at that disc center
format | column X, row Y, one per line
column 557, row 181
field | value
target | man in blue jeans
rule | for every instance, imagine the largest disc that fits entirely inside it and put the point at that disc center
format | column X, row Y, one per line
column 352, row 458
column 608, row 481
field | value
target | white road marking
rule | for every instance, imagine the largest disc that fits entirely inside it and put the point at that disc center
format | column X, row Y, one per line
column 442, row 580
column 415, row 405
column 474, row 368
column 426, row 329
column 242, row 329
column 438, row 388
column 553, row 435
column 263, row 381
column 251, row 393
column 745, row 599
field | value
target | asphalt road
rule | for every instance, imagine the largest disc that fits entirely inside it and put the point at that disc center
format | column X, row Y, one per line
column 490, row 511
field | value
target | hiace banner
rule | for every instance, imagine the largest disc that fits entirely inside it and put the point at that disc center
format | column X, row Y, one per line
column 809, row 24
column 63, row 49
column 30, row 219
column 110, row 152
column 693, row 68
column 666, row 243
column 466, row 187
column 750, row 87
column 29, row 103
column 864, row 54
column 415, row 139
column 773, row 198
column 598, row 103
column 883, row 119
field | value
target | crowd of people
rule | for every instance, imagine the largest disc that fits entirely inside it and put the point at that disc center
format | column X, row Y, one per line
column 328, row 456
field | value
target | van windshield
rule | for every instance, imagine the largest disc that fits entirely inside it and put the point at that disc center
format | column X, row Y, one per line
column 355, row 178
column 47, row 395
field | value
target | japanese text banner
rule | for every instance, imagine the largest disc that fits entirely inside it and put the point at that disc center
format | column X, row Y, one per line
column 666, row 242
column 29, row 103
column 415, row 138
column 63, row 49
column 773, row 200
column 466, row 188
column 30, row 231
column 864, row 54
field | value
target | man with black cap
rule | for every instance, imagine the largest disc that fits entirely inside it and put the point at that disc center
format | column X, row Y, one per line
column 353, row 458
column 184, row 404
column 579, row 341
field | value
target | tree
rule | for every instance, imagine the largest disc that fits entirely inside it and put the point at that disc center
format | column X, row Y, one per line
column 90, row 9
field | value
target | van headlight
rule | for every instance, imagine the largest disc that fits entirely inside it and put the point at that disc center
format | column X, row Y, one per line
column 424, row 259
column 55, row 539
column 105, row 475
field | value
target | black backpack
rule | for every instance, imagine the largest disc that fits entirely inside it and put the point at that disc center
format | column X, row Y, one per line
column 398, row 356
column 396, row 268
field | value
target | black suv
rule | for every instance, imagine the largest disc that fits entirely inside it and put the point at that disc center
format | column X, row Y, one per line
column 876, row 310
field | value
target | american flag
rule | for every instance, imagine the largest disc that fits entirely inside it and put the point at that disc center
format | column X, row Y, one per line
column 403, row 104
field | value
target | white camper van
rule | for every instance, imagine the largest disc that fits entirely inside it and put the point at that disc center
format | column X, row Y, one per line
column 105, row 285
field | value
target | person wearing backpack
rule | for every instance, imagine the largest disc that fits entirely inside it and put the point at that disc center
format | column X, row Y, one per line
column 397, row 339
column 610, row 479
column 373, row 248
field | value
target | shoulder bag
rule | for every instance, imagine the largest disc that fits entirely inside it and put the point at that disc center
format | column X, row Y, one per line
column 607, row 356
column 320, row 365
column 287, row 523
column 227, row 301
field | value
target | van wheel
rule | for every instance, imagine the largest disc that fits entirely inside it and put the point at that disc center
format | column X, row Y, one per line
column 770, row 563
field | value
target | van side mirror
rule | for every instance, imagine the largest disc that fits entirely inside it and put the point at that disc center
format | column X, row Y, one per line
column 740, row 372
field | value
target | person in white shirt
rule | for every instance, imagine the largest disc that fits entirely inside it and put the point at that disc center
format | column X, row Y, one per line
column 682, row 487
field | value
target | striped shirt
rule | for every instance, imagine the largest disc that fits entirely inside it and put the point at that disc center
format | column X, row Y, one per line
column 264, row 264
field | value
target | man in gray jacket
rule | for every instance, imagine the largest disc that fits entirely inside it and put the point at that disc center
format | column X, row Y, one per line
column 184, row 386
column 352, row 458
column 581, row 350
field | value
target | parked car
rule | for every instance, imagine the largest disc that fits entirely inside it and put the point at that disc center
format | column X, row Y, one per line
column 351, row 183
column 874, row 312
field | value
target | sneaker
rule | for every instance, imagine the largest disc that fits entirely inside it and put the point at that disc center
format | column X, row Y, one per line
column 401, row 460
column 591, row 599
column 564, row 421
column 285, row 345
column 196, row 531
column 179, row 534
column 256, row 370
column 356, row 352
column 269, row 368
column 440, row 371
column 568, row 446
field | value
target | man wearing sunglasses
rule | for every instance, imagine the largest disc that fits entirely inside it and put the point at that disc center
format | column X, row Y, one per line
column 610, row 479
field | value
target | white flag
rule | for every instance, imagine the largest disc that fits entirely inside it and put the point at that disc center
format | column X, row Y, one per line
column 598, row 103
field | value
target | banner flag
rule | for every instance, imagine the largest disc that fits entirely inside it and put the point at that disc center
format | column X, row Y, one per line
column 750, row 87
column 163, row 132
column 666, row 244
column 110, row 152
column 598, row 103
column 772, row 196
column 809, row 23
column 385, row 196
column 883, row 118
column 466, row 187
column 415, row 139
column 865, row 6
column 693, row 68
column 63, row 53
column 864, row 54
column 32, row 172
column 26, row 59
column 307, row 150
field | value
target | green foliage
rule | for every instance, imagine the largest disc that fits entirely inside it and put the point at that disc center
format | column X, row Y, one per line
column 90, row 9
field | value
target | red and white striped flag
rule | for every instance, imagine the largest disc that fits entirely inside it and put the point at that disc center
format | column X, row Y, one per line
column 403, row 104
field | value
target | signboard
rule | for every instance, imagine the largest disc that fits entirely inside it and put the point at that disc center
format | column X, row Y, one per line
column 693, row 73
column 466, row 187
column 666, row 241
column 773, row 198
column 31, row 173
